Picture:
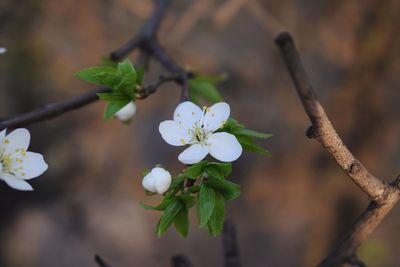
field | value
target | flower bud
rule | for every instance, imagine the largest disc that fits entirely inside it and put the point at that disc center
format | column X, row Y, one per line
column 127, row 112
column 157, row 181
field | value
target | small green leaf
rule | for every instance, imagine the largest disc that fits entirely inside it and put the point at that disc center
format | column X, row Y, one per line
column 206, row 204
column 168, row 217
column 251, row 133
column 114, row 107
column 249, row 144
column 224, row 169
column 127, row 86
column 228, row 189
column 194, row 189
column 216, row 222
column 108, row 62
column 161, row 206
column 206, row 89
column 126, row 68
column 107, row 76
column 188, row 200
column 181, row 222
column 195, row 170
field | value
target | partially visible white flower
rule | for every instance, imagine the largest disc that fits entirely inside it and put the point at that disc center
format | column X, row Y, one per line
column 127, row 112
column 157, row 181
column 3, row 50
column 195, row 127
column 16, row 163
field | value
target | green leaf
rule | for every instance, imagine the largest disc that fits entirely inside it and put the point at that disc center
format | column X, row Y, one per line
column 206, row 203
column 127, row 86
column 107, row 76
column 206, row 89
column 108, row 62
column 251, row 133
column 223, row 169
column 114, row 107
column 195, row 170
column 216, row 222
column 161, row 206
column 170, row 212
column 181, row 222
column 188, row 200
column 228, row 189
column 194, row 189
column 250, row 145
column 126, row 68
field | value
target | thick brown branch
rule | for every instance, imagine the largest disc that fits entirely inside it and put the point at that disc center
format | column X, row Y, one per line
column 383, row 197
column 322, row 128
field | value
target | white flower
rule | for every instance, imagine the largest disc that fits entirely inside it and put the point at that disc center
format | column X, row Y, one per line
column 157, row 181
column 3, row 50
column 16, row 163
column 126, row 113
column 195, row 127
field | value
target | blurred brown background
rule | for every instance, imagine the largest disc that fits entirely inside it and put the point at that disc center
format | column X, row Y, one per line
column 293, row 205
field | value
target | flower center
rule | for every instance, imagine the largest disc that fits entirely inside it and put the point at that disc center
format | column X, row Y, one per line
column 6, row 161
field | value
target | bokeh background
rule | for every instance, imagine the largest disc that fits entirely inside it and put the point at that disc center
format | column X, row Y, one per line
column 294, row 205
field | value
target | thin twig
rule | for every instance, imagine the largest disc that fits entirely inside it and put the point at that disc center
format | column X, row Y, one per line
column 100, row 261
column 383, row 196
column 180, row 261
column 230, row 246
column 52, row 110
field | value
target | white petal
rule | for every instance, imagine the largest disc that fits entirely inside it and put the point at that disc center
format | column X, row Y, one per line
column 162, row 179
column 216, row 116
column 32, row 165
column 3, row 50
column 224, row 147
column 127, row 112
column 173, row 133
column 148, row 183
column 17, row 139
column 187, row 114
column 193, row 154
column 2, row 135
column 16, row 183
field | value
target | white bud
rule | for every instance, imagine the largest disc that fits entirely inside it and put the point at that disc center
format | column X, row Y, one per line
column 3, row 50
column 127, row 112
column 157, row 181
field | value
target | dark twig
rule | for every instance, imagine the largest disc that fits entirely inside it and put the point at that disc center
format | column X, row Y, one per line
column 383, row 196
column 180, row 261
column 146, row 91
column 100, row 261
column 52, row 110
column 230, row 246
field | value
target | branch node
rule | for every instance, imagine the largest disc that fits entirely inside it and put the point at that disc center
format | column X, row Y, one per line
column 354, row 168
column 312, row 132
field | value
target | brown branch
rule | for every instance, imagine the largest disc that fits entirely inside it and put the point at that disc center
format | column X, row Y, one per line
column 146, row 41
column 180, row 261
column 100, row 261
column 230, row 245
column 321, row 128
column 52, row 110
column 383, row 196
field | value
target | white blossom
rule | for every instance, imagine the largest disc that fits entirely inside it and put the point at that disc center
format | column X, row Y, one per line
column 3, row 50
column 127, row 112
column 158, row 180
column 197, row 128
column 16, row 163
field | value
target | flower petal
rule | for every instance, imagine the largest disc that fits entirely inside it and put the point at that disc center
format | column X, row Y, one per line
column 127, row 112
column 187, row 114
column 2, row 135
column 224, row 147
column 173, row 133
column 29, row 165
column 17, row 139
column 162, row 179
column 193, row 154
column 15, row 182
column 216, row 116
column 148, row 183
